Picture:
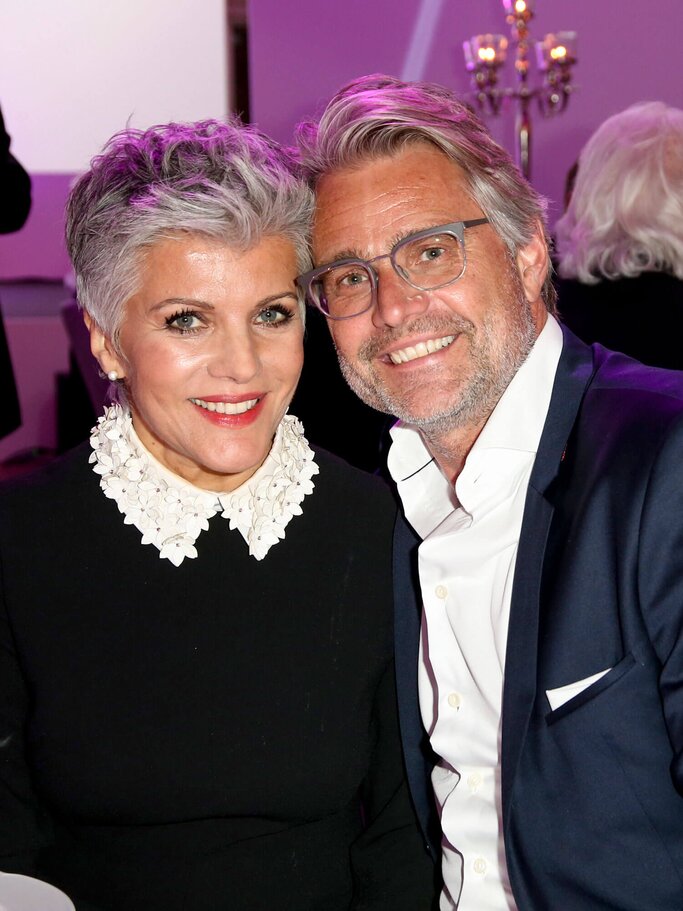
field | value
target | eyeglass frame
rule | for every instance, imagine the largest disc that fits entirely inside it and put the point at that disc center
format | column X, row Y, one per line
column 455, row 228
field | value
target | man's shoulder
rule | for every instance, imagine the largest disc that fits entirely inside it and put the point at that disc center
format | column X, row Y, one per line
column 634, row 390
column 611, row 375
column 609, row 410
column 628, row 412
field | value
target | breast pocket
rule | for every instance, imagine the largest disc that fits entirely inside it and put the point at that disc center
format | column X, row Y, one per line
column 566, row 699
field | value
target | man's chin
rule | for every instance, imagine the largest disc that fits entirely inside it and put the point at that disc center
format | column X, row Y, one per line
column 367, row 393
column 417, row 409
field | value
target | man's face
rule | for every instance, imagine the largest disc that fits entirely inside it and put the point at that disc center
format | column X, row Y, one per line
column 438, row 359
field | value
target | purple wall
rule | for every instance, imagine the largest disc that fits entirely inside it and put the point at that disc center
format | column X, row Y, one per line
column 301, row 52
column 38, row 250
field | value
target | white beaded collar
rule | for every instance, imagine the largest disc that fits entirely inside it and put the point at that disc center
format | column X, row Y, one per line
column 171, row 513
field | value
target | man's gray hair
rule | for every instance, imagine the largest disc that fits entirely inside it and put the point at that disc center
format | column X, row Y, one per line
column 379, row 115
column 225, row 181
column 625, row 215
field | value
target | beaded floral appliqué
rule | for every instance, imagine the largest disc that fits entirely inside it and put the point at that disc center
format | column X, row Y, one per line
column 172, row 516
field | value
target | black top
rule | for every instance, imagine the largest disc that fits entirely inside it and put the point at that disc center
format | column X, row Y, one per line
column 218, row 736
column 642, row 317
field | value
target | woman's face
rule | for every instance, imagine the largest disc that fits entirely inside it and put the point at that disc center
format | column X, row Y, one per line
column 210, row 354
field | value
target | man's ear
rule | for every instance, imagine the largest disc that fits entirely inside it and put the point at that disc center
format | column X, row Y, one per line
column 532, row 265
column 103, row 349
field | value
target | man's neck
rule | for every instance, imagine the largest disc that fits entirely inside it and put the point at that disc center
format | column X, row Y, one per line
column 450, row 450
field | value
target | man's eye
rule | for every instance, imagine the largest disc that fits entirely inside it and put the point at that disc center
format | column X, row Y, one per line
column 352, row 278
column 431, row 253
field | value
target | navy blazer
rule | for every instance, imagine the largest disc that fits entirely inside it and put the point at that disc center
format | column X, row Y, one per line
column 591, row 792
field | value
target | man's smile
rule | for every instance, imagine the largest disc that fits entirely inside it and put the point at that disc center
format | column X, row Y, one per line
column 420, row 349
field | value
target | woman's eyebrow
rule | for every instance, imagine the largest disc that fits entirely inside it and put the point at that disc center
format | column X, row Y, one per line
column 273, row 298
column 193, row 302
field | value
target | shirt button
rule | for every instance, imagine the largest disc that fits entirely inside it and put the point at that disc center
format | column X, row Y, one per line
column 474, row 782
column 454, row 700
column 441, row 592
column 479, row 866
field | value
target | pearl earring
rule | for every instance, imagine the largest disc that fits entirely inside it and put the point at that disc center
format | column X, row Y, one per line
column 112, row 376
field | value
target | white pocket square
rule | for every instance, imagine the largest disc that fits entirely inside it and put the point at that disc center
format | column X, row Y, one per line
column 562, row 694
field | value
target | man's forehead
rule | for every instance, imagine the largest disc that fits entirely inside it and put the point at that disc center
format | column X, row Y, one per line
column 386, row 196
column 419, row 163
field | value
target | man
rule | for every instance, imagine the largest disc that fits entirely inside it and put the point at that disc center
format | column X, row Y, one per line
column 542, row 488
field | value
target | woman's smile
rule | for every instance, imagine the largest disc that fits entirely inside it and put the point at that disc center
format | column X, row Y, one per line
column 230, row 413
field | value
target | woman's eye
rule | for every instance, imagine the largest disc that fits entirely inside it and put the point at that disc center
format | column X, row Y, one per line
column 184, row 322
column 273, row 315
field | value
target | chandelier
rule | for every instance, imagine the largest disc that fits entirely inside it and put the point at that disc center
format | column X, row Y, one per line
column 555, row 57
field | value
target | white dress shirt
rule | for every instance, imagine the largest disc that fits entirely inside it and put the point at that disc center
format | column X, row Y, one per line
column 466, row 566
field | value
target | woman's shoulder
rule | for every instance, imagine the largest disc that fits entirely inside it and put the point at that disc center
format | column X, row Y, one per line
column 339, row 477
column 356, row 504
column 59, row 480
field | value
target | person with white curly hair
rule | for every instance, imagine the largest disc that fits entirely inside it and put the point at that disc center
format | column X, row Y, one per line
column 620, row 242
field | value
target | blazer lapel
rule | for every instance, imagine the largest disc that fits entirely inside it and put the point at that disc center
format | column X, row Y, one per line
column 574, row 373
column 419, row 757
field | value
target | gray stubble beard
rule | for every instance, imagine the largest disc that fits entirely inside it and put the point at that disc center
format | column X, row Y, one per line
column 491, row 371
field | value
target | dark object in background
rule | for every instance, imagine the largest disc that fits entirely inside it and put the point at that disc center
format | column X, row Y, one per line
column 15, row 187
column 15, row 204
column 641, row 316
column 75, row 412
column 333, row 416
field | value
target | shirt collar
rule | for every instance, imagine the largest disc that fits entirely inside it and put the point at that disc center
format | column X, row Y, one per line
column 517, row 420
column 171, row 513
column 515, row 425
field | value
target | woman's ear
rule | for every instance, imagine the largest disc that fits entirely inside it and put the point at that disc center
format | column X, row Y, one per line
column 532, row 265
column 103, row 349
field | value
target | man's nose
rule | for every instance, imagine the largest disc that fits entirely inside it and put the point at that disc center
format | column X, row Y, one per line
column 396, row 299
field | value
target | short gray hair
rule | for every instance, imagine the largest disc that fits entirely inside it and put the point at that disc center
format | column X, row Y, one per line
column 625, row 215
column 225, row 181
column 379, row 115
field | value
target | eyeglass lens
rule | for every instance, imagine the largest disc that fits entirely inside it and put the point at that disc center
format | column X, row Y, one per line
column 425, row 263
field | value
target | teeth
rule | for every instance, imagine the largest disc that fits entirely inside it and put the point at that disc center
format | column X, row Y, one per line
column 226, row 407
column 403, row 355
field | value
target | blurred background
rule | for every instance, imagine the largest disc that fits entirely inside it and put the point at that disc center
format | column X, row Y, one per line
column 74, row 72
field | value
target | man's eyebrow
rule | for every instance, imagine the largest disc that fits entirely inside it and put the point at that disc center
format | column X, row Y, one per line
column 350, row 253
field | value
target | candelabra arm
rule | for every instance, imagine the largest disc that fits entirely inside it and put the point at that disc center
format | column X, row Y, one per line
column 523, row 131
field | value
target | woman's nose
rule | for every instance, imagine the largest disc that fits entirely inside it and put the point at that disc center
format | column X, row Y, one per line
column 233, row 357
column 396, row 299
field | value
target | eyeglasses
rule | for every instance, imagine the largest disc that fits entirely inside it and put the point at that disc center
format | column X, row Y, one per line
column 426, row 260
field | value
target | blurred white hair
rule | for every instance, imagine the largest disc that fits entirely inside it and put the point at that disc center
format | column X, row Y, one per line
column 626, row 211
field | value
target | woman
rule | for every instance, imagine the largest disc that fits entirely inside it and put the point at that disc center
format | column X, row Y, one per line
column 620, row 242
column 198, row 713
